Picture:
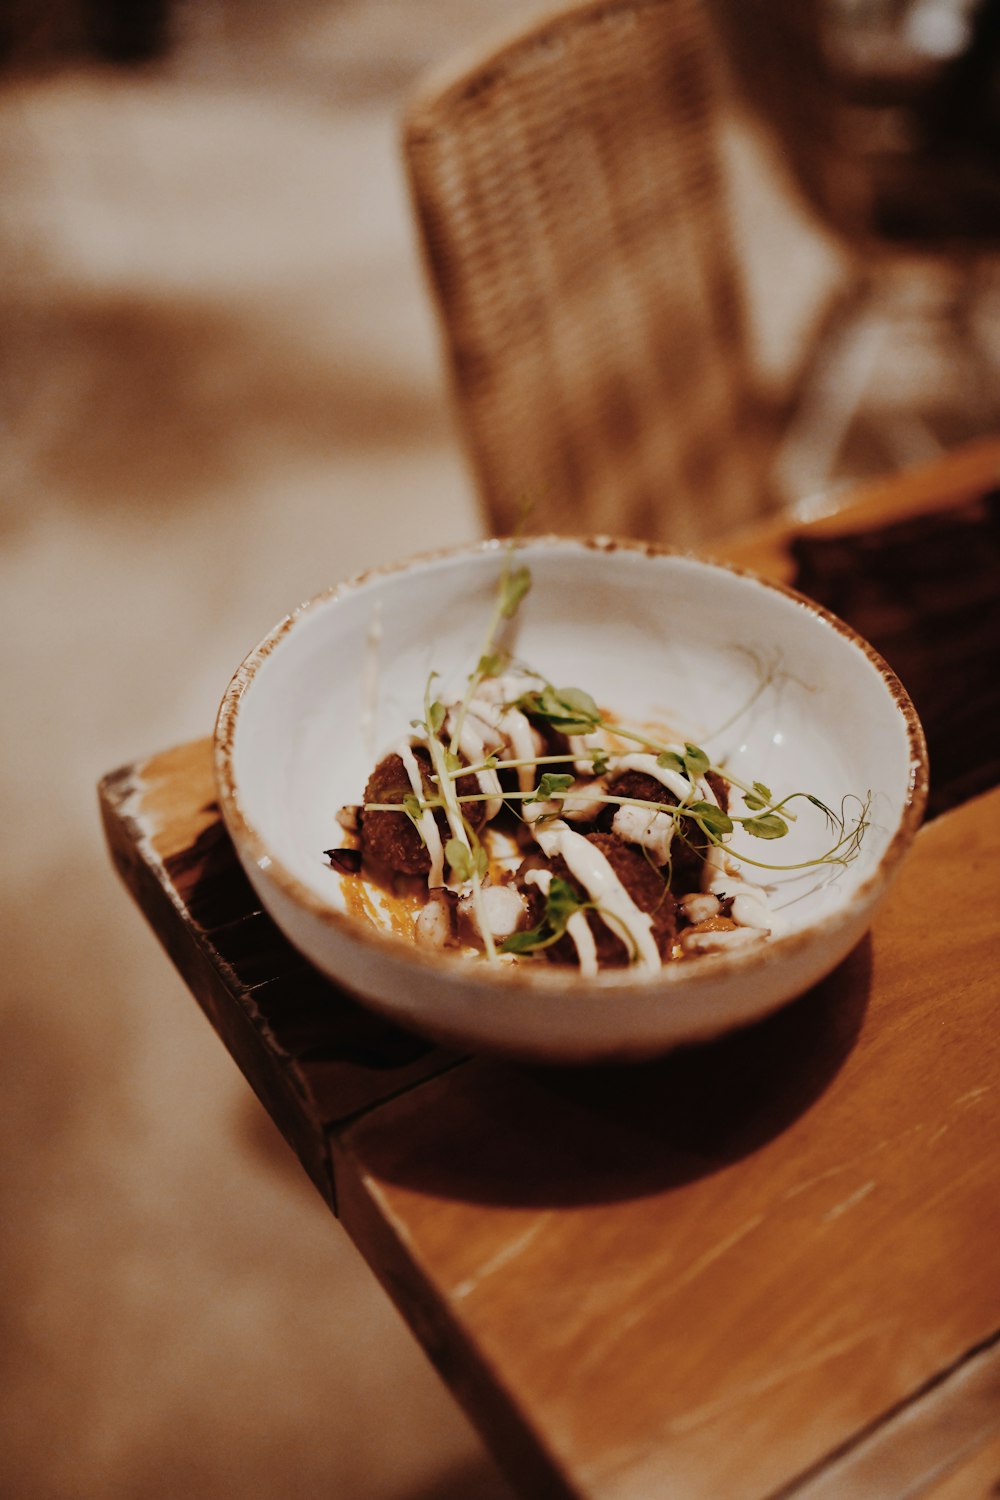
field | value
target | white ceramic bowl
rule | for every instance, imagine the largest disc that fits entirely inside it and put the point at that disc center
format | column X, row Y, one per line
column 766, row 680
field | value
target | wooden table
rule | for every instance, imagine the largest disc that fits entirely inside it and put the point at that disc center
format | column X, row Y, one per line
column 767, row 1267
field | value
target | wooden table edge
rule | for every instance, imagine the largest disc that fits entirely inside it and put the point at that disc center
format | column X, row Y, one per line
column 281, row 1092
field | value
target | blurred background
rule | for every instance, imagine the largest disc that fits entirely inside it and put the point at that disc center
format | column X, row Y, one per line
column 220, row 391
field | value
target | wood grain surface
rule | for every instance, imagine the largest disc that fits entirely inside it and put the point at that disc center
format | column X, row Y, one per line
column 976, row 1477
column 700, row 1277
column 764, row 1268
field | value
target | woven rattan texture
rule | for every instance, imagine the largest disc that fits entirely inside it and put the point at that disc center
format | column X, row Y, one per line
column 569, row 193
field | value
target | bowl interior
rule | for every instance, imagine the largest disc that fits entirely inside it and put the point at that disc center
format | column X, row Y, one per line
column 768, row 684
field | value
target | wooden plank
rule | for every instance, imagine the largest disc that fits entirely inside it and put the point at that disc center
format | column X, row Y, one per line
column 311, row 1053
column 699, row 1277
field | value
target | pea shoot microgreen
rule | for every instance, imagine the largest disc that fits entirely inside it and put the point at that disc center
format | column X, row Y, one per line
column 514, row 584
column 462, row 837
column 567, row 710
column 692, row 762
column 493, row 661
column 465, row 862
column 573, row 712
column 551, row 785
column 758, row 797
column 414, row 809
column 561, row 902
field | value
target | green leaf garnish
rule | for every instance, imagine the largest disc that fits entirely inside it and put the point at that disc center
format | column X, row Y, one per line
column 711, row 818
column 769, row 826
column 600, row 760
column 552, row 784
column 529, row 941
column 560, row 904
column 569, row 710
column 435, row 717
column 671, row 761
column 696, row 762
column 760, row 796
column 582, row 702
column 693, row 763
column 562, row 901
column 465, row 862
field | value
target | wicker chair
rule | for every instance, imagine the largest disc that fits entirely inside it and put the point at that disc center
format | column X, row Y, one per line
column 568, row 191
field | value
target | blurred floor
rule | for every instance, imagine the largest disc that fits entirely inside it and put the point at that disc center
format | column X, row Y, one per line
column 220, row 391
column 219, row 384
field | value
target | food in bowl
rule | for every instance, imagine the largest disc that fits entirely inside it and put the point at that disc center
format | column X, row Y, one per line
column 772, row 688
column 520, row 821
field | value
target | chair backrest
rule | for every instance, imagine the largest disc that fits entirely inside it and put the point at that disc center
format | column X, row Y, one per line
column 570, row 197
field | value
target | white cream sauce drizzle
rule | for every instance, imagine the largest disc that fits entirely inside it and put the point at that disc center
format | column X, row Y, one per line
column 581, row 746
column 473, row 745
column 720, row 876
column 652, row 830
column 488, row 727
column 517, row 737
column 589, row 866
column 586, row 802
column 674, row 781
column 500, row 906
column 583, row 940
column 523, row 742
column 577, row 928
column 428, row 826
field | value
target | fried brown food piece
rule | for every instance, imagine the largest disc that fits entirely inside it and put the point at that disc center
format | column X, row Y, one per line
column 389, row 838
column 647, row 889
column 687, row 850
column 720, row 786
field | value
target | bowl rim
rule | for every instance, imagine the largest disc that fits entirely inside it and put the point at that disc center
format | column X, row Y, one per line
column 251, row 844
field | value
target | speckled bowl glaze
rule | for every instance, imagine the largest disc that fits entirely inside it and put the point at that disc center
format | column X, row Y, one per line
column 766, row 680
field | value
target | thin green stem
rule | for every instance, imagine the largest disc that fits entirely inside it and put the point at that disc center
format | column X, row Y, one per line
column 456, row 821
column 848, row 837
column 510, row 765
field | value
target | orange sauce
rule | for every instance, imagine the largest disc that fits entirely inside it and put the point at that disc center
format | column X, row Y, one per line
column 397, row 909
